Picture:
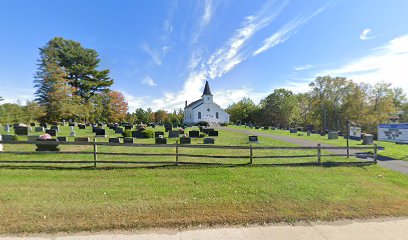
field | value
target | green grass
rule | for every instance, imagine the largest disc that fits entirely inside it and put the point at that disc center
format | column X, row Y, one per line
column 133, row 197
column 392, row 150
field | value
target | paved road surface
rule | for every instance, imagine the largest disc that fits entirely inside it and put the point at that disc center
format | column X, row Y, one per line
column 396, row 229
column 396, row 165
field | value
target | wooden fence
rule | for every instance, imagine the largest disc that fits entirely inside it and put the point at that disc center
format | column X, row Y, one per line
column 177, row 155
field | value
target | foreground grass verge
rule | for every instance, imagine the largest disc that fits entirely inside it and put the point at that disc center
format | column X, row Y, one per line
column 77, row 200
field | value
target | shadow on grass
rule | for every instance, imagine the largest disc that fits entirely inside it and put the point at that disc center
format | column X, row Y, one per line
column 191, row 165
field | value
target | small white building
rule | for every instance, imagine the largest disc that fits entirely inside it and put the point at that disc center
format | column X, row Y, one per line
column 205, row 109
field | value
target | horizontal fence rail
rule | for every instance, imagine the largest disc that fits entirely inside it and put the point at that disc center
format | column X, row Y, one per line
column 94, row 151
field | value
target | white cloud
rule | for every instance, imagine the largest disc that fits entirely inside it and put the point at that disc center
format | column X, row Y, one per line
column 303, row 67
column 364, row 34
column 152, row 53
column 134, row 102
column 148, row 81
column 208, row 12
column 285, row 32
column 225, row 97
column 386, row 63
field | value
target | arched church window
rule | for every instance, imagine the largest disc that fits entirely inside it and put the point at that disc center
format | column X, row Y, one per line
column 216, row 115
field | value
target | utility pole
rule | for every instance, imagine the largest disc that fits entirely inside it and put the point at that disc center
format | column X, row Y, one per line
column 348, row 136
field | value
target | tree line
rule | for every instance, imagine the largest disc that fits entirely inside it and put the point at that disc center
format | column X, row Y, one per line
column 327, row 105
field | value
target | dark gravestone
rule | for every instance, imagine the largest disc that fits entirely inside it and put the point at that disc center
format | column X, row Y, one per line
column 81, row 126
column 273, row 128
column 185, row 140
column 32, row 138
column 51, row 132
column 201, row 128
column 71, row 124
column 322, row 134
column 160, row 140
column 100, row 125
column 128, row 127
column 39, row 129
column 209, row 140
column 333, row 135
column 128, row 140
column 173, row 134
column 114, row 140
column 137, row 134
column 82, row 139
column 207, row 130
column 194, row 134
column 55, row 127
column 21, row 130
column 167, row 129
column 8, row 137
column 256, row 127
column 94, row 128
column 265, row 128
column 340, row 134
column 213, row 133
column 51, row 146
column 44, row 125
column 368, row 139
column 253, row 138
column 119, row 130
column 293, row 130
column 100, row 132
column 32, row 124
column 157, row 134
column 88, row 124
column 62, row 139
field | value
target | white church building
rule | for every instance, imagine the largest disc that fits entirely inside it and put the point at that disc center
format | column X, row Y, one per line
column 205, row 109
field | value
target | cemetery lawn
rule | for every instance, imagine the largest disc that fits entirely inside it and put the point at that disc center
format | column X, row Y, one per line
column 68, row 199
column 392, row 150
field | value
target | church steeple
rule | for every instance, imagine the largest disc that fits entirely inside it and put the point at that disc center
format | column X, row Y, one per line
column 207, row 90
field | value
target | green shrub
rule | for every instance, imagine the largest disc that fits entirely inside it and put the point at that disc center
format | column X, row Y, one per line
column 203, row 124
column 203, row 135
column 127, row 133
column 148, row 133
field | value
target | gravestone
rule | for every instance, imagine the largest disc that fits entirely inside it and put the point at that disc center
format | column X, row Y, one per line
column 209, row 140
column 72, row 134
column 160, row 140
column 8, row 137
column 21, row 130
column 55, row 127
column 256, row 127
column 47, row 147
column 333, row 135
column 368, row 139
column 82, row 139
column 44, row 125
column 173, row 134
column 185, row 140
column 207, row 130
column 137, row 134
column 158, row 133
column 71, row 128
column 128, row 127
column 100, row 132
column 213, row 133
column 81, row 126
column 71, row 124
column 7, row 128
column 32, row 124
column 32, row 138
column 51, row 132
column 265, row 128
column 167, row 129
column 88, row 124
column 119, row 130
column 128, row 140
column 293, row 130
column 322, row 134
column 308, row 133
column 114, row 140
column 94, row 128
column 39, row 129
column 200, row 128
column 253, row 139
column 194, row 134
column 62, row 139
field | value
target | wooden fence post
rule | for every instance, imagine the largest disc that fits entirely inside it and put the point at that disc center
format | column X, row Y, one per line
column 177, row 152
column 95, row 148
column 250, row 154
column 375, row 153
column 319, row 153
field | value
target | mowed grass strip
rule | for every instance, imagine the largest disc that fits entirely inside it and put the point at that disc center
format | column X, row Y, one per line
column 110, row 197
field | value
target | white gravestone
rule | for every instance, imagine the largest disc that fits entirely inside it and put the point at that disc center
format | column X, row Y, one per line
column 72, row 134
column 1, row 145
column 7, row 128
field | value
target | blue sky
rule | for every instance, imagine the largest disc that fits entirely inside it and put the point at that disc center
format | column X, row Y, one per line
column 160, row 52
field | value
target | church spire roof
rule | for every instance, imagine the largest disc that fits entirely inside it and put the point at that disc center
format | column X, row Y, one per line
column 207, row 90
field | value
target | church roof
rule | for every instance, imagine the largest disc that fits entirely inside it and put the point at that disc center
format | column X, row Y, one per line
column 193, row 103
column 207, row 90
